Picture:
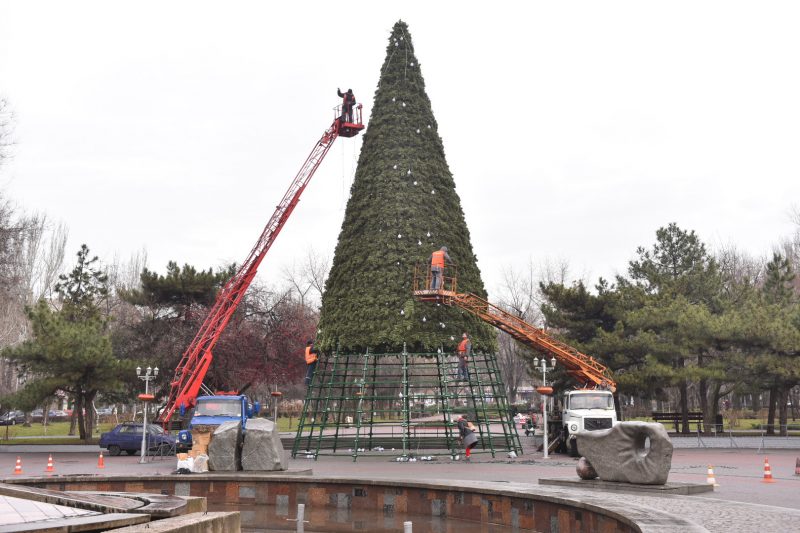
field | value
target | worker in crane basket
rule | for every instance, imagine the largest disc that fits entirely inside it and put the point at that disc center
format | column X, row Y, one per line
column 348, row 101
column 438, row 260
column 464, row 350
column 311, row 361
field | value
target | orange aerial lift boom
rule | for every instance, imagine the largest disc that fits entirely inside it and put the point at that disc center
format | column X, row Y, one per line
column 585, row 369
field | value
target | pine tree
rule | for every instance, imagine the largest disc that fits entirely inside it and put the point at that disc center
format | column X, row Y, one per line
column 83, row 291
column 180, row 288
column 778, row 285
column 403, row 205
column 70, row 349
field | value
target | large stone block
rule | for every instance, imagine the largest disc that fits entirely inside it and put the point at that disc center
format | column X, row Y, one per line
column 585, row 469
column 263, row 449
column 619, row 453
column 224, row 450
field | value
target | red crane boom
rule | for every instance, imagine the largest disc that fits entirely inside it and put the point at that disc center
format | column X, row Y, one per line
column 196, row 360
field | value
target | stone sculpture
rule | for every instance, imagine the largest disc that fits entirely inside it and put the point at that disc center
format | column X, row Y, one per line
column 585, row 469
column 224, row 450
column 263, row 449
column 620, row 453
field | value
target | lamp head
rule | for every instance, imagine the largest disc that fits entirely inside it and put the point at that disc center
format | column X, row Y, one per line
column 155, row 371
column 138, row 370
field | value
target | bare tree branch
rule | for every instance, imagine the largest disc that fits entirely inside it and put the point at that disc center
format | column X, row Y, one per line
column 741, row 271
column 308, row 275
column 6, row 128
column 295, row 275
column 519, row 295
column 317, row 267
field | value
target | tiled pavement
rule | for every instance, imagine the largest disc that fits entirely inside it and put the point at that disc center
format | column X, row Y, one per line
column 742, row 503
column 721, row 516
column 19, row 511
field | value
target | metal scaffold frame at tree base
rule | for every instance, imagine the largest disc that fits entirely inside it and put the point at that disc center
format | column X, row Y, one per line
column 403, row 403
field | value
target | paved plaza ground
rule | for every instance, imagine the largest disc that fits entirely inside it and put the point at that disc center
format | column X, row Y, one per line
column 742, row 502
column 739, row 472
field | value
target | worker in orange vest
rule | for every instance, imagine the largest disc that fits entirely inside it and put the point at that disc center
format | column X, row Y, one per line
column 438, row 260
column 464, row 350
column 311, row 361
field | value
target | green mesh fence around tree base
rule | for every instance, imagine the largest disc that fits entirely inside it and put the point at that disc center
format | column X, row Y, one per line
column 404, row 405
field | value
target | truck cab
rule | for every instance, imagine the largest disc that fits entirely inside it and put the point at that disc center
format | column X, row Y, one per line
column 211, row 411
column 586, row 410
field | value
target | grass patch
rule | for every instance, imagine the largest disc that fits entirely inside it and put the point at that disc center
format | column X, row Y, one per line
column 49, row 441
column 288, row 424
column 53, row 433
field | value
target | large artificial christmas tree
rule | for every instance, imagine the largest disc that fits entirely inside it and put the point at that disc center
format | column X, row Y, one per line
column 403, row 205
column 387, row 375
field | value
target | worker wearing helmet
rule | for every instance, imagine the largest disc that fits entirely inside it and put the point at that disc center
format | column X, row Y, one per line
column 348, row 101
column 438, row 260
column 464, row 350
column 311, row 361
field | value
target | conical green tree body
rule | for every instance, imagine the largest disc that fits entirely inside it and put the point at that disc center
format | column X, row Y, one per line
column 403, row 205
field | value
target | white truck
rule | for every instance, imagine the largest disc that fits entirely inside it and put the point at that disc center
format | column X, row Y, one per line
column 585, row 410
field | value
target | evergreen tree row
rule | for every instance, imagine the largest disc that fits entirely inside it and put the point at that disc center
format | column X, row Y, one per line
column 680, row 319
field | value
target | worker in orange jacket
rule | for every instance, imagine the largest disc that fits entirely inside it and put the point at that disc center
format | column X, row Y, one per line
column 464, row 350
column 311, row 361
column 438, row 260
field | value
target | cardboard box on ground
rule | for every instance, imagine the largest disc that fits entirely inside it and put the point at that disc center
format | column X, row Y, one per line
column 201, row 437
column 197, row 463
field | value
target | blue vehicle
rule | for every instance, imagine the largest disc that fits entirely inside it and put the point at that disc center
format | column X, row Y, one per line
column 128, row 438
column 12, row 418
column 211, row 411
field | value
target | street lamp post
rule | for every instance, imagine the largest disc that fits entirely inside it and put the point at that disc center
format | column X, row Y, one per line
column 149, row 375
column 276, row 397
column 545, row 391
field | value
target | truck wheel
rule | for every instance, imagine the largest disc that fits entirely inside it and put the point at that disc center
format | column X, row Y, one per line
column 573, row 448
column 113, row 450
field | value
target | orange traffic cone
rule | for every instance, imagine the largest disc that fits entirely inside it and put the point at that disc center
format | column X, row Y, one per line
column 767, row 472
column 797, row 467
column 710, row 479
column 50, row 467
column 100, row 461
column 18, row 467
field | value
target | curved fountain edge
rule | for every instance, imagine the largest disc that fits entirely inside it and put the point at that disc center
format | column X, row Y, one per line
column 638, row 517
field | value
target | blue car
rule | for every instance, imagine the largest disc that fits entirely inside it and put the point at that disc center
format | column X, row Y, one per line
column 128, row 438
column 12, row 418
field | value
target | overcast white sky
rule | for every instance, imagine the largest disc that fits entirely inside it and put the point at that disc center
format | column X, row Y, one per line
column 573, row 130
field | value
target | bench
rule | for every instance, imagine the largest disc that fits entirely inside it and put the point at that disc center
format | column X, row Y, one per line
column 676, row 418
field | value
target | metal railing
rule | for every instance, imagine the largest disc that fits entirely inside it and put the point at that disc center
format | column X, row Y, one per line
column 757, row 439
column 783, row 433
